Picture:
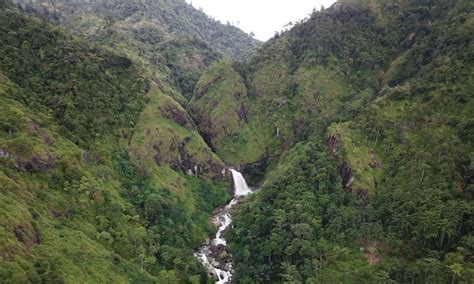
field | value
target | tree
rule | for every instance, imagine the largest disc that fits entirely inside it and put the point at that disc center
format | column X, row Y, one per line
column 153, row 208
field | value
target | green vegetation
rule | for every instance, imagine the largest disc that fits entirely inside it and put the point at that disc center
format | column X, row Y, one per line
column 52, row 202
column 75, row 207
column 220, row 108
column 172, row 38
column 299, row 227
column 112, row 151
column 387, row 90
column 76, row 82
column 356, row 152
column 165, row 137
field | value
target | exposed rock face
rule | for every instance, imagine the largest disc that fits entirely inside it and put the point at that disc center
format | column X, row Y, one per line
column 243, row 113
column 84, row 156
column 37, row 158
column 41, row 163
column 205, row 127
column 26, row 234
column 185, row 160
column 347, row 176
column 409, row 40
column 166, row 136
column 255, row 172
column 375, row 163
column 38, row 162
column 180, row 153
column 157, row 156
column 176, row 114
column 35, row 129
column 56, row 214
column 357, row 176
column 333, row 143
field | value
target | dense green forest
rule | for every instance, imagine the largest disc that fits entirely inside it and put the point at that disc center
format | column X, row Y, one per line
column 170, row 36
column 86, row 195
column 119, row 118
column 379, row 186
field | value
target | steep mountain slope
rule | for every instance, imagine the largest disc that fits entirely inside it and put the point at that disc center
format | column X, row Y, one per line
column 360, row 118
column 380, row 186
column 91, row 190
column 171, row 36
column 220, row 110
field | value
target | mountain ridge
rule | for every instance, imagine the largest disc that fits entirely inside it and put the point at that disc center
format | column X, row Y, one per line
column 169, row 36
column 76, row 179
column 114, row 153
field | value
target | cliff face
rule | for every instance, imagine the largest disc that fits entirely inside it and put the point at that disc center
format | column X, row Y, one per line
column 221, row 109
column 382, row 88
column 165, row 136
column 345, row 71
column 98, row 161
column 116, row 131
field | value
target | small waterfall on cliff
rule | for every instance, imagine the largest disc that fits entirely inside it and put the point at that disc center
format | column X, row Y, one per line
column 241, row 187
column 209, row 254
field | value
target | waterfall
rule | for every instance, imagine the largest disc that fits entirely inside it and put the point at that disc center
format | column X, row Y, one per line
column 240, row 185
column 208, row 253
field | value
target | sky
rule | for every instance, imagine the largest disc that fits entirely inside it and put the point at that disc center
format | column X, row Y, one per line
column 262, row 17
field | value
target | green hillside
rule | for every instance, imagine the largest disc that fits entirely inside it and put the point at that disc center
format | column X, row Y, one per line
column 379, row 187
column 76, row 202
column 119, row 119
column 170, row 36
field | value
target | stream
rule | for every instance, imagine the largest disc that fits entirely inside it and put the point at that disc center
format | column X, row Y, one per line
column 214, row 254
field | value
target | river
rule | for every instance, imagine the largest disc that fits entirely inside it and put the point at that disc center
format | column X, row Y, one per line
column 214, row 254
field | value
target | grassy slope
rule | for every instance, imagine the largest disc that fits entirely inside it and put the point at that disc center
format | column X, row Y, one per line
column 44, row 225
column 165, row 135
column 279, row 101
column 223, row 113
column 170, row 36
column 358, row 76
column 390, row 83
column 75, row 206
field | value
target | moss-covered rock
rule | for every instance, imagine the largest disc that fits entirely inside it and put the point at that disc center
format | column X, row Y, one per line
column 226, row 117
column 165, row 137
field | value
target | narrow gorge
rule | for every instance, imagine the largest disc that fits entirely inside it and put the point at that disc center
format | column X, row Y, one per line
column 215, row 255
column 124, row 125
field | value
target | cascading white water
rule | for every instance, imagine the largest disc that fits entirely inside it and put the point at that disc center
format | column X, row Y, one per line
column 241, row 187
column 209, row 252
column 224, row 221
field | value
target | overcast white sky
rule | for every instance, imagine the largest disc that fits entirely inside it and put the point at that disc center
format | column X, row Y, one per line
column 263, row 17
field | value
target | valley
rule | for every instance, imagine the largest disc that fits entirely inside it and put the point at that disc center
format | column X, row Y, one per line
column 123, row 125
column 214, row 255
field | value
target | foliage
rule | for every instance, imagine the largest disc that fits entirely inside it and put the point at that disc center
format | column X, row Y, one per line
column 286, row 228
column 396, row 124
column 220, row 109
column 89, row 92
column 74, row 206
column 170, row 36
column 361, row 116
